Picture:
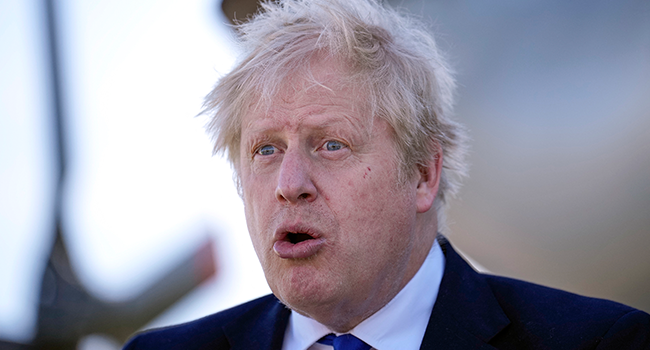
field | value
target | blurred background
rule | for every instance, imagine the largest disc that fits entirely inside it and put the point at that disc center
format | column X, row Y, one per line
column 555, row 94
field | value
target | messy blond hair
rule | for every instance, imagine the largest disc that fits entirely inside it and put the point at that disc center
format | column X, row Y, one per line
column 391, row 55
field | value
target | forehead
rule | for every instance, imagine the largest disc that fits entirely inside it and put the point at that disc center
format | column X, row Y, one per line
column 319, row 94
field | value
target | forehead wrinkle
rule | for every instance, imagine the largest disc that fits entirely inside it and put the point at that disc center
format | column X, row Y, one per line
column 309, row 115
column 302, row 104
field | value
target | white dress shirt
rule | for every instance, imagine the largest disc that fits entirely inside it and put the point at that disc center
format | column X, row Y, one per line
column 400, row 324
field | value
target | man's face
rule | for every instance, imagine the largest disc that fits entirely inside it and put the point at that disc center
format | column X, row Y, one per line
column 333, row 228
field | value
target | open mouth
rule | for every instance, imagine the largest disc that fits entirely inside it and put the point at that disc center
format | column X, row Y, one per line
column 297, row 243
column 294, row 237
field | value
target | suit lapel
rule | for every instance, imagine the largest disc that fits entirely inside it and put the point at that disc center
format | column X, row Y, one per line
column 260, row 329
column 466, row 314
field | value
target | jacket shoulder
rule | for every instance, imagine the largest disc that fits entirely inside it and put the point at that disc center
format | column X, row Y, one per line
column 203, row 333
column 562, row 319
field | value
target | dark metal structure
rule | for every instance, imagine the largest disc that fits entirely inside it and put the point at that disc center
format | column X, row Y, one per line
column 239, row 10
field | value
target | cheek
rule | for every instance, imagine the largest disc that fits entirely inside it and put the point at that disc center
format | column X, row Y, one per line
column 380, row 209
column 254, row 211
column 253, row 195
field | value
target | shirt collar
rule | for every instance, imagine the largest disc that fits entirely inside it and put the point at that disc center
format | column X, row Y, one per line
column 400, row 324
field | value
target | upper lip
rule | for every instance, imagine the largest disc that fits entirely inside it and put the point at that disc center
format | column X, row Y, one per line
column 283, row 231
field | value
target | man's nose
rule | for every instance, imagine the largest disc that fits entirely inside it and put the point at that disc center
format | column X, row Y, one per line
column 294, row 179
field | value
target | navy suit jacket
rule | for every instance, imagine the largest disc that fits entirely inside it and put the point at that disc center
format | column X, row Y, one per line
column 472, row 311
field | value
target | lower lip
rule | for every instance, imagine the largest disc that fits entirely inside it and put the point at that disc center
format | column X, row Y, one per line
column 304, row 249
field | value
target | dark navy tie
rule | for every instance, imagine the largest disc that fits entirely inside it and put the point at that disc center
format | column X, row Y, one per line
column 344, row 342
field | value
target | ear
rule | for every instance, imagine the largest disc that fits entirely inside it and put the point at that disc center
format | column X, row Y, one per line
column 429, row 180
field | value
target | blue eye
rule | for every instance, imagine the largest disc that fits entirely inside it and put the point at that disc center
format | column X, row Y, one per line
column 333, row 145
column 266, row 150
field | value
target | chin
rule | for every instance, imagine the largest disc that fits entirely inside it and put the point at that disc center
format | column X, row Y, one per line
column 307, row 293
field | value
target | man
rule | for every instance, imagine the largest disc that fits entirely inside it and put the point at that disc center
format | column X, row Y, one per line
column 337, row 126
